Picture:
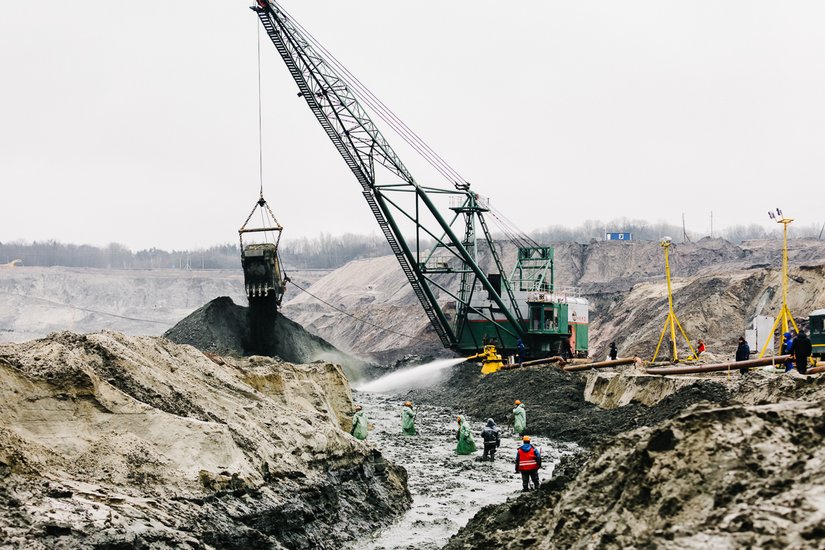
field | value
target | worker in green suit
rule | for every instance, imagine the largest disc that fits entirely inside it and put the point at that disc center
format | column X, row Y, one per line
column 519, row 418
column 466, row 445
column 408, row 419
column 359, row 424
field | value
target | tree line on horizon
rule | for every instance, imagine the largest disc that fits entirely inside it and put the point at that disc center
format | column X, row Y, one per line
column 331, row 251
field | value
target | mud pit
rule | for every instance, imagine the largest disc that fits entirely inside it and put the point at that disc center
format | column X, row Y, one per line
column 447, row 489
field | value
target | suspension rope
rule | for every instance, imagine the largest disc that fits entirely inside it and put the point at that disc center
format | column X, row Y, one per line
column 260, row 115
column 521, row 235
column 84, row 308
column 339, row 310
column 384, row 112
column 366, row 96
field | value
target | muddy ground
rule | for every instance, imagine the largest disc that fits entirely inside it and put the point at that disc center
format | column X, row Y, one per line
column 447, row 489
column 555, row 402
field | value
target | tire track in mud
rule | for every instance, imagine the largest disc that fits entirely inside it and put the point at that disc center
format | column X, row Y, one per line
column 447, row 489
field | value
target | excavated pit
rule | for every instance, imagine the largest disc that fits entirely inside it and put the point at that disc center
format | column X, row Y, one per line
column 447, row 489
column 612, row 496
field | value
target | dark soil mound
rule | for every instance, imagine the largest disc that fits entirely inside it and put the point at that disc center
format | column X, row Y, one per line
column 555, row 404
column 714, row 477
column 225, row 328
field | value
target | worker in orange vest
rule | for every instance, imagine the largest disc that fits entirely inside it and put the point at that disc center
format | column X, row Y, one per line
column 528, row 462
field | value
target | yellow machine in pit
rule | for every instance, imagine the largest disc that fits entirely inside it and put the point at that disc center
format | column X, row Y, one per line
column 490, row 359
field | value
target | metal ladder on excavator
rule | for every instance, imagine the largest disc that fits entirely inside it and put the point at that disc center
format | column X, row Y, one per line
column 356, row 168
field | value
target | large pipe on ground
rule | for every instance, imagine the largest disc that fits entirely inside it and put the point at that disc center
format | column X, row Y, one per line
column 545, row 361
column 601, row 364
column 733, row 365
column 817, row 370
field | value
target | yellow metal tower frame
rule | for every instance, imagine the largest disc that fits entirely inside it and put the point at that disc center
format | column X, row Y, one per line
column 784, row 313
column 671, row 322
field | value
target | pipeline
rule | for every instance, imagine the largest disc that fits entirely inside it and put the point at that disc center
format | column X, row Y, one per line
column 602, row 364
column 534, row 362
column 733, row 365
column 817, row 370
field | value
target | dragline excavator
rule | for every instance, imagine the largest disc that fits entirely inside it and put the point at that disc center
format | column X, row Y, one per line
column 437, row 234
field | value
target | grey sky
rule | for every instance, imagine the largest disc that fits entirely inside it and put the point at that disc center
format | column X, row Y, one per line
column 136, row 122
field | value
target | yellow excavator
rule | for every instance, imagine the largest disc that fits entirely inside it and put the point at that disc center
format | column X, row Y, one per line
column 490, row 359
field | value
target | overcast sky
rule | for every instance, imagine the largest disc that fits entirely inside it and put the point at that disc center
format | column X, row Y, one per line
column 136, row 122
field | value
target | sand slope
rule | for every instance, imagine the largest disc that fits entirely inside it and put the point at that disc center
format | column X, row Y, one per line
column 111, row 439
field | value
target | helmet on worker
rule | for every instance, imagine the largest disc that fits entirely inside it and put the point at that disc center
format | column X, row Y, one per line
column 408, row 403
column 518, row 402
column 526, row 439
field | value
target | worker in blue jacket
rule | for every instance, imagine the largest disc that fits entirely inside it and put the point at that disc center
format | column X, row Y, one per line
column 787, row 344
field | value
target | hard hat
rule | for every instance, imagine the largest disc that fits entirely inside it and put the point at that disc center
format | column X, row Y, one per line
column 408, row 403
column 526, row 438
column 518, row 402
column 357, row 407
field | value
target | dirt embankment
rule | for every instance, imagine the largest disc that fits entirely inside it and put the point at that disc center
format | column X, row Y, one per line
column 714, row 477
column 721, row 461
column 613, row 390
column 109, row 441
column 717, row 307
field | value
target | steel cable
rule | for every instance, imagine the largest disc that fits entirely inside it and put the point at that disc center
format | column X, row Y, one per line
column 302, row 289
column 385, row 113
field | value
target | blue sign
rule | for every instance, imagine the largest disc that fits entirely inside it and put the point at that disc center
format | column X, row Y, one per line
column 618, row 236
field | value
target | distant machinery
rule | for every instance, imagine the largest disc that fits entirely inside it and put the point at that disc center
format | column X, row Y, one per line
column 13, row 263
column 816, row 321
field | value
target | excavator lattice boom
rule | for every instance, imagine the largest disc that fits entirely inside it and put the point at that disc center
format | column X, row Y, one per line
column 438, row 254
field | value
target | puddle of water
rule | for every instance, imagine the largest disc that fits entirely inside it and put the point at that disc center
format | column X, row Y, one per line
column 413, row 377
column 447, row 489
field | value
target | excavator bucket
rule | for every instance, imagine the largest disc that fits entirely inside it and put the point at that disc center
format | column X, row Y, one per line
column 264, row 279
column 262, row 272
